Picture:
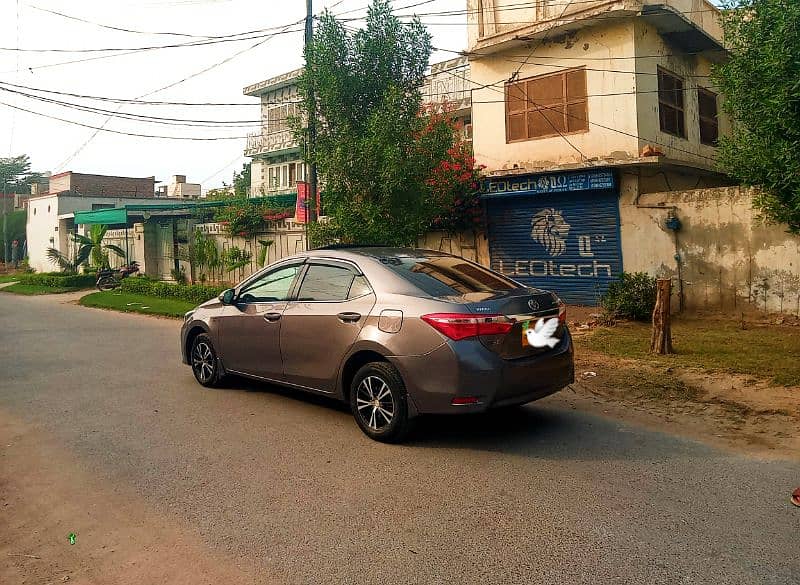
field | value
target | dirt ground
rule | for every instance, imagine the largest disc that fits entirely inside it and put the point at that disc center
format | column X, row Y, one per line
column 734, row 411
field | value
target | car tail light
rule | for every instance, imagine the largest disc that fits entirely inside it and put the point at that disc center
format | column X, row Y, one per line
column 562, row 312
column 462, row 325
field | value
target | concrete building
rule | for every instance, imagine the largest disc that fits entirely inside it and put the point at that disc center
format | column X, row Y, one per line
column 178, row 188
column 277, row 162
column 51, row 215
column 579, row 108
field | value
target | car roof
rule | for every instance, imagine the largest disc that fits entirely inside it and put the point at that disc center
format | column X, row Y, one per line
column 347, row 251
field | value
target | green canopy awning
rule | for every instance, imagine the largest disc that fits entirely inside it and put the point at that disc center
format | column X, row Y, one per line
column 113, row 216
column 121, row 215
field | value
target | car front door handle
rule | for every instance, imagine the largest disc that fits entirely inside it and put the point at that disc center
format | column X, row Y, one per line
column 349, row 317
column 272, row 317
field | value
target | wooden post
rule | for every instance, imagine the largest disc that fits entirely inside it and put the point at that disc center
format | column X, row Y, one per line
column 661, row 338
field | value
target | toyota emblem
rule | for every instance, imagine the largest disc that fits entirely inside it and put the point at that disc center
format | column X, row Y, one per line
column 533, row 305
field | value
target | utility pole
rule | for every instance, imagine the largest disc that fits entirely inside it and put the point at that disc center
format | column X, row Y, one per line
column 311, row 200
column 5, row 226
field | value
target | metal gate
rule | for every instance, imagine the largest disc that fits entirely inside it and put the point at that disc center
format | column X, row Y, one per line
column 567, row 242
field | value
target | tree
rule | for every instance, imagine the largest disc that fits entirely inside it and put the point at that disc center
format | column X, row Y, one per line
column 376, row 149
column 761, row 84
column 241, row 181
column 16, row 175
column 89, row 248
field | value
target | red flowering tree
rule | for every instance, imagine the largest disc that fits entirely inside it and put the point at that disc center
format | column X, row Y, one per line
column 454, row 183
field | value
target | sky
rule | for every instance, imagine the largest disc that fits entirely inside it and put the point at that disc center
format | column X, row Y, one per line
column 209, row 73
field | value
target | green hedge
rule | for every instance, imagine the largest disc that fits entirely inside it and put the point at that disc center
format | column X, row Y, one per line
column 195, row 293
column 56, row 280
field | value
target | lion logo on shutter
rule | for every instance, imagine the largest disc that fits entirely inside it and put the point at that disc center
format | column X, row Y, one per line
column 550, row 230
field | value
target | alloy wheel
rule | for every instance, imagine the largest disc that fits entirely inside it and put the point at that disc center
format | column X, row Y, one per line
column 203, row 361
column 375, row 403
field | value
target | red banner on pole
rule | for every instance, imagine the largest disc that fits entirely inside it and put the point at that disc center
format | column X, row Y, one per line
column 301, row 208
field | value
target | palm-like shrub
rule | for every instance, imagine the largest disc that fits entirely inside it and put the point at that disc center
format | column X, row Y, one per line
column 90, row 248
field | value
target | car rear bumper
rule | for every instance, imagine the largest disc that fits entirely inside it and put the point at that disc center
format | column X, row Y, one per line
column 471, row 370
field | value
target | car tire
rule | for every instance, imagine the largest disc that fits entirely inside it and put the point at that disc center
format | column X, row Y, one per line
column 204, row 362
column 379, row 403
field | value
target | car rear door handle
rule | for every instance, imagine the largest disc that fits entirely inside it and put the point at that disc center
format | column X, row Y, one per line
column 272, row 317
column 348, row 317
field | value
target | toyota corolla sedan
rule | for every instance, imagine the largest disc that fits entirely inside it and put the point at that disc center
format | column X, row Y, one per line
column 395, row 333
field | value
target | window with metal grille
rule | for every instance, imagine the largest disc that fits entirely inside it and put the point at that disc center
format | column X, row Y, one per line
column 709, row 119
column 671, row 114
column 547, row 105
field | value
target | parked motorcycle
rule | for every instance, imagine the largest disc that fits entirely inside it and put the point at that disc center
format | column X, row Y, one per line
column 108, row 279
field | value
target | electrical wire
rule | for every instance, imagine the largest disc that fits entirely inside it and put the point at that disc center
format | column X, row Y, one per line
column 117, row 28
column 71, row 157
column 99, row 128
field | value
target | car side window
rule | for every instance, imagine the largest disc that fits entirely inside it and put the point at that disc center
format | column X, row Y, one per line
column 326, row 283
column 273, row 286
column 359, row 288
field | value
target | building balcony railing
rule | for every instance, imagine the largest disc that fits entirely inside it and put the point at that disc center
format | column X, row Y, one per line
column 258, row 143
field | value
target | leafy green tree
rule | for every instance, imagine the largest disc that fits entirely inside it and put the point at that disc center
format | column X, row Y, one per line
column 761, row 85
column 90, row 248
column 16, row 175
column 376, row 149
column 241, row 181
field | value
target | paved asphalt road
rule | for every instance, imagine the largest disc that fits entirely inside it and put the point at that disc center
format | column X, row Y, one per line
column 288, row 490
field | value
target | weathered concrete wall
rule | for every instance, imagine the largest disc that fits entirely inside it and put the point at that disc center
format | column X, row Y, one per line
column 470, row 245
column 729, row 259
column 613, row 125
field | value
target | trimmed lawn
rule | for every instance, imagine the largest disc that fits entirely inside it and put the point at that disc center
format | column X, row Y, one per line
column 131, row 303
column 9, row 277
column 36, row 289
column 762, row 351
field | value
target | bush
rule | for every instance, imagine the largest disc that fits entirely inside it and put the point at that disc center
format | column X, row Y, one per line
column 194, row 293
column 58, row 280
column 633, row 296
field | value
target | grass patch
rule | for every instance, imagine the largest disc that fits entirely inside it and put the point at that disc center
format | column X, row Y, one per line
column 133, row 303
column 37, row 289
column 761, row 351
column 9, row 277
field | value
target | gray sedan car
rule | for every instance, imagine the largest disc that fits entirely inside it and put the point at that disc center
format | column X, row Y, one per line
column 394, row 332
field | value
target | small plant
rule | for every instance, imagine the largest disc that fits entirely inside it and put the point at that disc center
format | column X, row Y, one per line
column 632, row 296
column 234, row 258
column 179, row 275
column 262, row 252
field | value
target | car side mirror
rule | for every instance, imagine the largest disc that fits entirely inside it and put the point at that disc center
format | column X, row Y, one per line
column 226, row 298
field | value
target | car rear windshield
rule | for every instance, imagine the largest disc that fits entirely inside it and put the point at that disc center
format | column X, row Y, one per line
column 443, row 276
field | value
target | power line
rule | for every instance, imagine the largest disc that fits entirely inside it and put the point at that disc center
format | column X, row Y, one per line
column 117, row 28
column 139, row 117
column 260, row 34
column 71, row 157
column 141, row 102
column 99, row 128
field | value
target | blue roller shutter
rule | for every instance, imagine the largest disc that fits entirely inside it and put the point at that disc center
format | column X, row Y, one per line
column 565, row 242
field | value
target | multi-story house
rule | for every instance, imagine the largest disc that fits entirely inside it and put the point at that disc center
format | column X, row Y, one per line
column 277, row 159
column 579, row 107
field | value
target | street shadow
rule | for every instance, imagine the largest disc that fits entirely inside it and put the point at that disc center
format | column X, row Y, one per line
column 546, row 429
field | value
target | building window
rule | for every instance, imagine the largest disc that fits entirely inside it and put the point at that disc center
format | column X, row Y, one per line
column 672, row 116
column 481, row 31
column 276, row 118
column 547, row 105
column 709, row 120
